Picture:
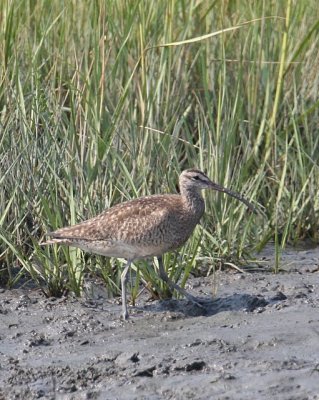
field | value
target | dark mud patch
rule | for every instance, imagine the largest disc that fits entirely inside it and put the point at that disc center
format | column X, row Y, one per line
column 208, row 307
column 257, row 339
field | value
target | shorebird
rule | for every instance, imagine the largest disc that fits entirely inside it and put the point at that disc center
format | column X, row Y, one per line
column 145, row 227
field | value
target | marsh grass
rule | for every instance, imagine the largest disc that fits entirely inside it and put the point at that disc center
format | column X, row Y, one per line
column 94, row 113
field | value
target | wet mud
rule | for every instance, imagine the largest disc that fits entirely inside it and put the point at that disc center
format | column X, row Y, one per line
column 258, row 338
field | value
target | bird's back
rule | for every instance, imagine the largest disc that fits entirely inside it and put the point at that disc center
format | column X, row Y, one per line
column 150, row 225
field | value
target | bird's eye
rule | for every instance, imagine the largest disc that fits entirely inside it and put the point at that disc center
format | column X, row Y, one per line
column 196, row 178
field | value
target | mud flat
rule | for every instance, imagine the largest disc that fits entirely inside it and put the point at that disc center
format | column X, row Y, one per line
column 258, row 339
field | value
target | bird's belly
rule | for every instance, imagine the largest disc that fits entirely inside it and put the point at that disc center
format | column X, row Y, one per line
column 120, row 250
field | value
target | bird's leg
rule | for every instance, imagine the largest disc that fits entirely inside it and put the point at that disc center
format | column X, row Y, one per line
column 125, row 314
column 172, row 285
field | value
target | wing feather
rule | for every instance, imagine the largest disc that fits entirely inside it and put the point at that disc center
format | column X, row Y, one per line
column 132, row 220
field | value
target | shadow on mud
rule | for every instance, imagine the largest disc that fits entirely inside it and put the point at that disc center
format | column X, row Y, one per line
column 208, row 307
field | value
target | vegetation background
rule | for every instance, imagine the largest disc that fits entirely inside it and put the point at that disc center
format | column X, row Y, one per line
column 96, row 110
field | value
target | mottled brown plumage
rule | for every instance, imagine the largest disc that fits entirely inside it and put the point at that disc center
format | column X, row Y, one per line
column 135, row 229
column 145, row 227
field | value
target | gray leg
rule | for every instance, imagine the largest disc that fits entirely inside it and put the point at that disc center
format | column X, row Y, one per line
column 173, row 285
column 123, row 287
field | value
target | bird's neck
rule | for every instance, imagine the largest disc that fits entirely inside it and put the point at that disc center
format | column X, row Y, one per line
column 193, row 200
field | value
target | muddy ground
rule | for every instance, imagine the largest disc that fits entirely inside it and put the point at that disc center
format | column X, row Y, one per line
column 259, row 339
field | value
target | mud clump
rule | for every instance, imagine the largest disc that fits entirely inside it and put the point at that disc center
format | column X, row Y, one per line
column 259, row 325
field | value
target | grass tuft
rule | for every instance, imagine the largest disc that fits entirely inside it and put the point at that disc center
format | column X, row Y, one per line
column 101, row 103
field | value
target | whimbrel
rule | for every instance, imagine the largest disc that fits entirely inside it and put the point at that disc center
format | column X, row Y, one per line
column 145, row 227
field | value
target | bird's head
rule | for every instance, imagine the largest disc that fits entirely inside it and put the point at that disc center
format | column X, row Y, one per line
column 196, row 180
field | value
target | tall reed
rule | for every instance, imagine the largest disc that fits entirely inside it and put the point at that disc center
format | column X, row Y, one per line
column 93, row 111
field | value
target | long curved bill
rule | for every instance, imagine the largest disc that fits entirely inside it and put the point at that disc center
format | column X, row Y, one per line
column 236, row 195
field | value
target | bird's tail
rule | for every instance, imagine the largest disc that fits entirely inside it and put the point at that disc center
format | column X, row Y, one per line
column 56, row 241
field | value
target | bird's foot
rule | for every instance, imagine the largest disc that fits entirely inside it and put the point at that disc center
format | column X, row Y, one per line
column 205, row 300
column 124, row 317
column 195, row 301
column 201, row 302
